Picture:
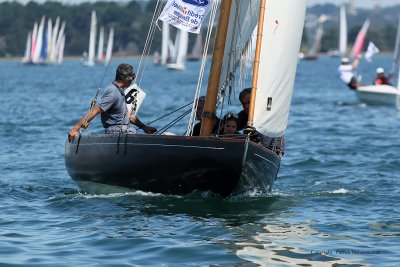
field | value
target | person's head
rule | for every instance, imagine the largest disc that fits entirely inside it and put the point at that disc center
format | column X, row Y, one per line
column 230, row 123
column 200, row 107
column 345, row 61
column 244, row 98
column 125, row 74
column 380, row 71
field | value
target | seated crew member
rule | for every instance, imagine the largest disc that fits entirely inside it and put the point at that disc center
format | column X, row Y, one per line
column 199, row 111
column 380, row 77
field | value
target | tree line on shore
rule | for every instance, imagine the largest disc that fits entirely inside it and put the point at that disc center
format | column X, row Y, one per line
column 131, row 23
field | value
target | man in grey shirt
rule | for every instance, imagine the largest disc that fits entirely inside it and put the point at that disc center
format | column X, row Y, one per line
column 113, row 109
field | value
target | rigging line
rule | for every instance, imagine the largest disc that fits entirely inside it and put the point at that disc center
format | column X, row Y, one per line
column 170, row 113
column 149, row 36
column 189, row 130
column 172, row 123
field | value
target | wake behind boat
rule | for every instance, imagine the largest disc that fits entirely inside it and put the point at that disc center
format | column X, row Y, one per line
column 224, row 165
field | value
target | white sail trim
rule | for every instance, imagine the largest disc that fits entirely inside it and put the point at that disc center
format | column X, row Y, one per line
column 282, row 31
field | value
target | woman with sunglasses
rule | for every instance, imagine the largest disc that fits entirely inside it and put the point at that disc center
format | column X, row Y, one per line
column 229, row 125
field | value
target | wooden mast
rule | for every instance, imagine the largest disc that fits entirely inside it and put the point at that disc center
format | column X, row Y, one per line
column 256, row 64
column 209, row 113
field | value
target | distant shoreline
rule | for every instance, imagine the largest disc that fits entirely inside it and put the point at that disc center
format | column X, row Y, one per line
column 78, row 58
column 69, row 58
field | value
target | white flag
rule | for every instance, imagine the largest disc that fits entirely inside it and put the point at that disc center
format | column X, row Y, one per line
column 186, row 15
column 371, row 50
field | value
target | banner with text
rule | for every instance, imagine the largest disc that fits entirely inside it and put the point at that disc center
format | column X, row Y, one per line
column 187, row 15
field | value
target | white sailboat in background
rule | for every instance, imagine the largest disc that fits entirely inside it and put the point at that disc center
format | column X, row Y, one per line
column 343, row 32
column 110, row 45
column 312, row 54
column 197, row 50
column 227, row 166
column 165, row 56
column 90, row 61
column 100, row 46
column 384, row 94
column 342, row 46
column 43, row 43
column 181, row 47
column 27, row 55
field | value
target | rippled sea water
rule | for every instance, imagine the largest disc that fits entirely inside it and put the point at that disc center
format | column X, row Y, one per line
column 335, row 202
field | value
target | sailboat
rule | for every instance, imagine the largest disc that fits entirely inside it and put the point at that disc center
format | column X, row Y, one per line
column 181, row 47
column 179, row 165
column 319, row 31
column 384, row 94
column 360, row 39
column 342, row 35
column 197, row 49
column 166, row 47
column 90, row 61
column 43, row 44
column 110, row 45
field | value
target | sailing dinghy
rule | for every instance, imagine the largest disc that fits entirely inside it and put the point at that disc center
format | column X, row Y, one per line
column 181, row 165
column 384, row 94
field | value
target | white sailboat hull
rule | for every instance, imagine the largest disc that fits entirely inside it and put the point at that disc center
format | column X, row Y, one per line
column 379, row 95
column 176, row 66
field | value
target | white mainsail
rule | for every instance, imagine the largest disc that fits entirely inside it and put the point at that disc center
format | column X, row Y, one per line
column 53, row 52
column 39, row 42
column 182, row 47
column 164, row 43
column 100, row 45
column 343, row 31
column 34, row 37
column 49, row 38
column 27, row 55
column 60, row 43
column 92, row 39
column 110, row 45
column 60, row 56
column 283, row 28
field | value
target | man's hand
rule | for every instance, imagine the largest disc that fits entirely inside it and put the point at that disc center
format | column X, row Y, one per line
column 72, row 134
column 149, row 129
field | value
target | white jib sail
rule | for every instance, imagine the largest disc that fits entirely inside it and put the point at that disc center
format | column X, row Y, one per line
column 53, row 54
column 164, row 43
column 343, row 31
column 100, row 45
column 182, row 47
column 92, row 39
column 282, row 31
column 39, row 42
column 110, row 45
column 27, row 55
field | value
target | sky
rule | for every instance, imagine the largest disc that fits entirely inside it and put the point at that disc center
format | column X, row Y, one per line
column 357, row 3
